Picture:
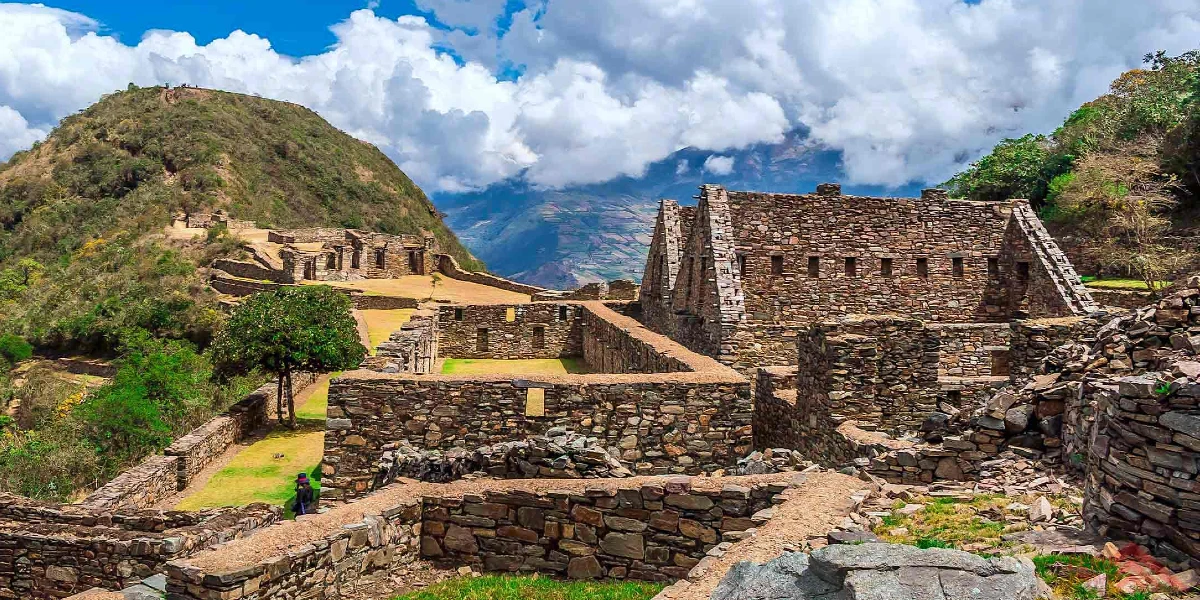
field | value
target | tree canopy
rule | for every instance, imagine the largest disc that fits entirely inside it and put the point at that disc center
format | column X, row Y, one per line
column 305, row 328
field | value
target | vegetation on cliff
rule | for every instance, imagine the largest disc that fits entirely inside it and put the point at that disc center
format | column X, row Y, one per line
column 1122, row 171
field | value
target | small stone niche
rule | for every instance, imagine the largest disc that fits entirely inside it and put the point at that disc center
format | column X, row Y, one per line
column 535, row 402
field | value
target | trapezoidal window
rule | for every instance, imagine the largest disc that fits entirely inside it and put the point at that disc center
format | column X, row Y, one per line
column 562, row 313
column 1023, row 271
column 851, row 266
column 1000, row 363
column 535, row 402
column 814, row 267
column 956, row 266
column 741, row 260
column 922, row 268
column 885, row 267
column 777, row 265
column 539, row 338
column 481, row 339
column 458, row 314
column 510, row 314
column 993, row 267
column 380, row 258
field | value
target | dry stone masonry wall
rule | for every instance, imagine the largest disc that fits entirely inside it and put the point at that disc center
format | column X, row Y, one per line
column 511, row 331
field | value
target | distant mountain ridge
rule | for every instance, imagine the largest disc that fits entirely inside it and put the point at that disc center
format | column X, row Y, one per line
column 598, row 232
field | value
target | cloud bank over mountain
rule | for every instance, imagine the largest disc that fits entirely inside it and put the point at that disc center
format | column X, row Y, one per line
column 571, row 93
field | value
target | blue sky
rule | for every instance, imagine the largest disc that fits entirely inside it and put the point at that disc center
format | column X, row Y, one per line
column 905, row 90
column 296, row 28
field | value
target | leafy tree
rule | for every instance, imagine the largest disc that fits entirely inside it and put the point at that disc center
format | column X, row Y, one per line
column 1016, row 168
column 14, row 349
column 306, row 328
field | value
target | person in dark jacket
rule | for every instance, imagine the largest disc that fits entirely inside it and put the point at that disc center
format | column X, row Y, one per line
column 305, row 498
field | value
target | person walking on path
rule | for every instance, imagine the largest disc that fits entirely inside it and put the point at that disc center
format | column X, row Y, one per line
column 304, row 496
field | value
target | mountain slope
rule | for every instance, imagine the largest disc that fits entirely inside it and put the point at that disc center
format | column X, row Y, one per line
column 563, row 238
column 81, row 264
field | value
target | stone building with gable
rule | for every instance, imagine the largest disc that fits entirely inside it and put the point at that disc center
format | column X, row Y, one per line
column 742, row 274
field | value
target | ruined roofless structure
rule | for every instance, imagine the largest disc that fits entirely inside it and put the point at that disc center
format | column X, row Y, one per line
column 739, row 275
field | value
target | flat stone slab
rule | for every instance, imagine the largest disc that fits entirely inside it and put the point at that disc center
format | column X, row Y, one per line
column 875, row 571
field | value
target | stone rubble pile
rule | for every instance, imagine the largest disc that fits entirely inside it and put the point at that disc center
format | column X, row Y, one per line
column 560, row 454
column 882, row 572
column 771, row 460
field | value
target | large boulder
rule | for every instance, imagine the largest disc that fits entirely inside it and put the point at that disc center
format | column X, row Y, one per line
column 882, row 572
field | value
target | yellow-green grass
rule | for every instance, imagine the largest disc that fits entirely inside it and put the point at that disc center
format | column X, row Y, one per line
column 382, row 323
column 1136, row 285
column 421, row 287
column 1065, row 574
column 256, row 475
column 497, row 587
column 534, row 366
column 316, row 400
column 967, row 525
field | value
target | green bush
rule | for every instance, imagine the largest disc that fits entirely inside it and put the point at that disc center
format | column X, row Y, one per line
column 14, row 348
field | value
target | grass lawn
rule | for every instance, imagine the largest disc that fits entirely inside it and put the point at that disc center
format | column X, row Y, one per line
column 1135, row 285
column 420, row 287
column 382, row 323
column 496, row 587
column 536, row 366
column 266, row 471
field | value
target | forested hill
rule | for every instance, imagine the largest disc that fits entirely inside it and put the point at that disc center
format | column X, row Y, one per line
column 79, row 212
column 1122, row 173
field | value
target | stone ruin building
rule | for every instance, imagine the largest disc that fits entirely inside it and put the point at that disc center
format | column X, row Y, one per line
column 909, row 340
column 348, row 254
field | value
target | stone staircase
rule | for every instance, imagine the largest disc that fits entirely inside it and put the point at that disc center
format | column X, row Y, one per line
column 1066, row 280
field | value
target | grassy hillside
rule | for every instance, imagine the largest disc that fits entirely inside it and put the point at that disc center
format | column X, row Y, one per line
column 80, row 210
column 1123, row 171
column 85, row 266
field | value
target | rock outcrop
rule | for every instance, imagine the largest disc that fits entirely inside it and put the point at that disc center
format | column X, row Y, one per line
column 875, row 571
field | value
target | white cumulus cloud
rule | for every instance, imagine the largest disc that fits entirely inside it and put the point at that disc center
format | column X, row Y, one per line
column 719, row 165
column 908, row 90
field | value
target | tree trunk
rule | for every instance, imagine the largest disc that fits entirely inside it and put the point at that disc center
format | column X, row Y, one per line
column 291, row 400
column 279, row 398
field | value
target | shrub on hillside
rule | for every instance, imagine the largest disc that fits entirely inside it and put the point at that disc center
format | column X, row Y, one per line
column 14, row 348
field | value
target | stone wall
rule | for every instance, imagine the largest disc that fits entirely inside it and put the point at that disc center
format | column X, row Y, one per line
column 412, row 349
column 461, row 331
column 881, row 371
column 235, row 286
column 1033, row 339
column 973, row 349
column 1121, row 298
column 324, row 568
column 42, row 558
column 613, row 343
column 1143, row 462
column 657, row 424
column 247, row 270
column 143, row 486
column 450, row 268
column 653, row 532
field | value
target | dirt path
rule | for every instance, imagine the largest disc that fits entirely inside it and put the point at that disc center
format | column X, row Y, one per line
column 812, row 509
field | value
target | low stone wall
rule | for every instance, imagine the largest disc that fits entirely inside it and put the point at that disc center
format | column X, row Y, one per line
column 652, row 532
column 363, row 301
column 1121, row 298
column 53, row 560
column 614, row 343
column 234, row 286
column 320, row 569
column 1142, row 466
column 142, row 486
column 1034, row 339
column 461, row 330
column 247, row 270
column 448, row 266
column 25, row 510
